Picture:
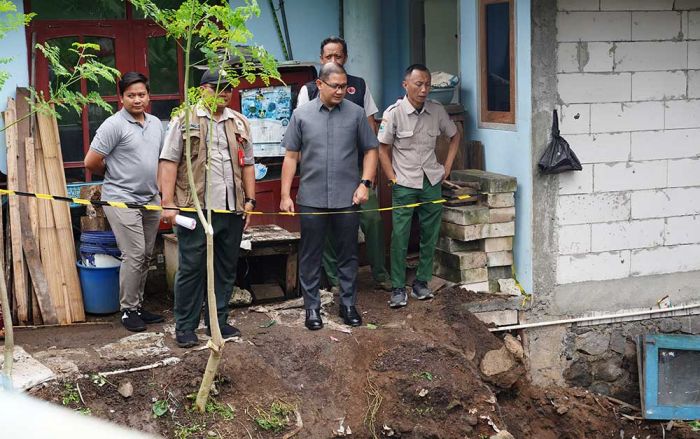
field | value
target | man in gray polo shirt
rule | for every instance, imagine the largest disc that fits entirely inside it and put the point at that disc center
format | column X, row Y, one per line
column 125, row 150
column 327, row 132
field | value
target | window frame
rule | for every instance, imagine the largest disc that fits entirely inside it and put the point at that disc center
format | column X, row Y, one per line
column 487, row 116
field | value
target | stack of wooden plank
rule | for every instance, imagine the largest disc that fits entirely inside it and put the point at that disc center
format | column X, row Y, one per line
column 45, row 288
column 452, row 190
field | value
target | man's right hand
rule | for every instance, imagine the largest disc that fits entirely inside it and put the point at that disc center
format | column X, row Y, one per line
column 168, row 215
column 287, row 205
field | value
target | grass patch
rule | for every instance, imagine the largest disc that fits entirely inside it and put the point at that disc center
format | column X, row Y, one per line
column 424, row 375
column 70, row 395
column 276, row 418
column 219, row 409
column 187, row 431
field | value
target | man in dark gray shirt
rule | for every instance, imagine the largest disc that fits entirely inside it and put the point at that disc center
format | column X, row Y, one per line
column 325, row 135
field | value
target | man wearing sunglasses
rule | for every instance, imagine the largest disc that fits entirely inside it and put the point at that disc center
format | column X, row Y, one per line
column 326, row 136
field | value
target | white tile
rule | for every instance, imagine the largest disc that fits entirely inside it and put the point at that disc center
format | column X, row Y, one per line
column 593, row 26
column 594, row 87
column 668, row 144
column 627, row 235
column 663, row 203
column 593, row 266
column 593, row 208
column 663, row 25
column 611, row 177
column 650, row 56
column 655, row 86
column 634, row 116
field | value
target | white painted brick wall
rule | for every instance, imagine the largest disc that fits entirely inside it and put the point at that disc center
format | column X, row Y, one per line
column 593, row 208
column 585, row 57
column 636, row 5
column 578, row 5
column 664, row 25
column 575, row 239
column 575, row 119
column 590, row 87
column 685, row 172
column 694, row 54
column 694, row 84
column 693, row 25
column 611, row 177
column 683, row 114
column 593, row 266
column 646, row 56
column 654, row 86
column 601, row 148
column 631, row 116
column 665, row 203
column 670, row 144
column 682, row 230
column 579, row 182
column 594, row 26
column 662, row 260
column 627, row 235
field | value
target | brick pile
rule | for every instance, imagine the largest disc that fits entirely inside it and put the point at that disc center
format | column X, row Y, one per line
column 475, row 247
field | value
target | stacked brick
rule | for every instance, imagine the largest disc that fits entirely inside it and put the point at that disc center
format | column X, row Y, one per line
column 475, row 248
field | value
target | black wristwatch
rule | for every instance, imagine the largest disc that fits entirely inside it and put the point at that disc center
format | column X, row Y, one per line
column 250, row 200
column 367, row 183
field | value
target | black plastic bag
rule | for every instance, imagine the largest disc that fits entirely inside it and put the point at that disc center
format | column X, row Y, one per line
column 558, row 157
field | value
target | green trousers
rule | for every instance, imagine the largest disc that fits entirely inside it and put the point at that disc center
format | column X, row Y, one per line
column 429, row 217
column 371, row 225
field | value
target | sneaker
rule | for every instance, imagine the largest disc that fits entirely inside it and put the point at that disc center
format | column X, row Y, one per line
column 383, row 285
column 186, row 339
column 149, row 317
column 132, row 321
column 398, row 298
column 227, row 331
column 421, row 291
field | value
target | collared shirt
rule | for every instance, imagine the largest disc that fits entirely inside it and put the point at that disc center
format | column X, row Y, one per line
column 221, row 188
column 413, row 135
column 368, row 102
column 328, row 140
column 130, row 150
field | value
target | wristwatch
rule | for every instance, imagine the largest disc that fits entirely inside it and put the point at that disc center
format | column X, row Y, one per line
column 251, row 201
column 367, row 183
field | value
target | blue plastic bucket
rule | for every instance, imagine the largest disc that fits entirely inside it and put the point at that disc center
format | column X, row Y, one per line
column 98, row 243
column 100, row 287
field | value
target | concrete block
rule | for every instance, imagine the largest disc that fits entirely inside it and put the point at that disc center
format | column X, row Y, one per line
column 579, row 182
column 627, row 235
column 665, row 203
column 593, row 208
column 498, row 318
column 465, row 215
column 661, row 260
column 584, row 56
column 694, row 54
column 670, row 144
column 684, row 172
column 682, row 230
column 502, row 215
column 683, row 114
column 574, row 239
column 686, row 4
column 636, row 5
column 505, row 199
column 661, row 25
column 498, row 230
column 461, row 260
column 575, row 119
column 651, row 56
column 593, row 266
column 499, row 259
column 450, row 245
column 630, row 176
column 503, row 272
column 468, row 276
column 509, row 287
column 593, row 26
column 477, row 287
column 693, row 84
column 568, row 57
column 594, row 87
column 462, row 233
column 490, row 181
column 693, row 25
column 497, row 244
column 634, row 116
column 577, row 5
column 601, row 148
column 656, row 86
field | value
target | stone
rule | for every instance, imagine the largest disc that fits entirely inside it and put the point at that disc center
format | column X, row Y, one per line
column 504, row 317
column 240, row 297
column 578, row 374
column 514, row 346
column 499, row 230
column 691, row 325
column 503, row 434
column 497, row 361
column 466, row 215
column 27, row 371
column 94, row 224
column 502, row 215
column 600, row 388
column 607, row 370
column 468, row 276
column 462, row 233
column 504, row 199
column 144, row 344
column 461, row 260
column 490, row 181
column 450, row 245
column 503, row 272
column 669, row 325
column 497, row 244
column 476, row 287
column 593, row 343
column 509, row 287
column 499, row 259
column 125, row 389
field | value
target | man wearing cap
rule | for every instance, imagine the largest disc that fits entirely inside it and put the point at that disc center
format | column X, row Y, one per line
column 335, row 49
column 327, row 133
column 408, row 134
column 226, row 134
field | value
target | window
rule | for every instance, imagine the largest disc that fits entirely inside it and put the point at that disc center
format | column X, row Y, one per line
column 497, row 61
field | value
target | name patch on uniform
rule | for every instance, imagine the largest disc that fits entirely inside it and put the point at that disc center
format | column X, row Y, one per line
column 382, row 125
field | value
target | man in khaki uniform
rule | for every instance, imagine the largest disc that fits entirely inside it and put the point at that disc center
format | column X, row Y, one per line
column 407, row 136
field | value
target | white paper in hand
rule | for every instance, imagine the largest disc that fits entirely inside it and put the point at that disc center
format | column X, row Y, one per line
column 186, row 222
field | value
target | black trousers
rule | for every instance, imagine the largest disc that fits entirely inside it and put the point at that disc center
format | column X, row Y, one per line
column 314, row 228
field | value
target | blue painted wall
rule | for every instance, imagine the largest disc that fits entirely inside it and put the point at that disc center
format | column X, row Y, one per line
column 395, row 50
column 507, row 152
column 13, row 46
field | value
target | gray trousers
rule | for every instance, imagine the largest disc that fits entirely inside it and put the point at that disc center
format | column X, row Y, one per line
column 343, row 228
column 136, row 232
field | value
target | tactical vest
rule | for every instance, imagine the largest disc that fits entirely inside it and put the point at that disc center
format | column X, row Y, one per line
column 237, row 132
column 355, row 93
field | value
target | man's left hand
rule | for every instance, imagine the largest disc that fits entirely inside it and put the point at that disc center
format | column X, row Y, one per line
column 361, row 195
column 248, row 207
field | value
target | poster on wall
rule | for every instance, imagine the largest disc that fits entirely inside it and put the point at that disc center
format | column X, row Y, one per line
column 268, row 110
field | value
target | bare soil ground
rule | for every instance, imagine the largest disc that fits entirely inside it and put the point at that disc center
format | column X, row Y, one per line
column 412, row 373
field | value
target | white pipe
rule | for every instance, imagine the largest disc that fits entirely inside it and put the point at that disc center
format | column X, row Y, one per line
column 595, row 318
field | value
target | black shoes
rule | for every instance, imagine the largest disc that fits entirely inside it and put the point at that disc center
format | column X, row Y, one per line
column 227, row 331
column 350, row 315
column 186, row 339
column 132, row 321
column 313, row 319
column 148, row 317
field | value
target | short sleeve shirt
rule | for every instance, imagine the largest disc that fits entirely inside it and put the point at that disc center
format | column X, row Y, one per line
column 130, row 151
column 328, row 140
column 413, row 136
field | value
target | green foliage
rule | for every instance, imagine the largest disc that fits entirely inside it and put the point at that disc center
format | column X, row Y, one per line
column 84, row 411
column 186, row 431
column 70, row 395
column 694, row 425
column 159, row 408
column 277, row 418
column 220, row 409
column 9, row 21
column 424, row 375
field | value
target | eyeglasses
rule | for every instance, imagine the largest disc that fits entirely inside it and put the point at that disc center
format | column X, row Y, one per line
column 337, row 87
column 223, row 88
